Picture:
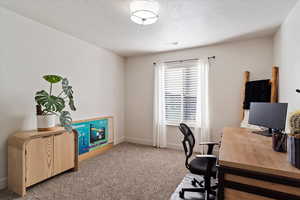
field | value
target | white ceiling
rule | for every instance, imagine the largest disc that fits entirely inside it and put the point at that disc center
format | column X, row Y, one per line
column 191, row 23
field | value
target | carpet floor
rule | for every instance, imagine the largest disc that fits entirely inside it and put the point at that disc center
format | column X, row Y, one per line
column 125, row 172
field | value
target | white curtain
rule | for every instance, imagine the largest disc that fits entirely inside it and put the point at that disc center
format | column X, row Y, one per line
column 159, row 121
column 202, row 127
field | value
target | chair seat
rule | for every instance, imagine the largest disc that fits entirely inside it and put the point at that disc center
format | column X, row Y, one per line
column 198, row 166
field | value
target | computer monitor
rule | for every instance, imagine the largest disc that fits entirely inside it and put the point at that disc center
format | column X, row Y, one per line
column 269, row 115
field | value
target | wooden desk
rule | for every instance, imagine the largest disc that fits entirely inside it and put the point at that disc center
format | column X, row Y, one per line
column 251, row 170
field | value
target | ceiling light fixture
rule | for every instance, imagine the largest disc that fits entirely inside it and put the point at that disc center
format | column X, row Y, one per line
column 144, row 12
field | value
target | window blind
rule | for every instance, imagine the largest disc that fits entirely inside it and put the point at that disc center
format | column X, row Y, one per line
column 181, row 80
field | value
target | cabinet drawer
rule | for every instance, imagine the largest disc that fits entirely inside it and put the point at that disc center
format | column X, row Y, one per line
column 39, row 159
column 231, row 194
column 64, row 152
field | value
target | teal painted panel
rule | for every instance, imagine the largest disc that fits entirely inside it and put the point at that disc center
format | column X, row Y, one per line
column 91, row 134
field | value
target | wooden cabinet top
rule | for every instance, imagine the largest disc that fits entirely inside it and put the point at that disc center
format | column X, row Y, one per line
column 240, row 148
column 21, row 137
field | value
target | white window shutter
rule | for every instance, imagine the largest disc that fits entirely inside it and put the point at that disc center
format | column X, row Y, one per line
column 181, row 81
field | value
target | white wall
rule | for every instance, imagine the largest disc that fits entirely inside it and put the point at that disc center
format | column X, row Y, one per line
column 226, row 74
column 29, row 50
column 287, row 57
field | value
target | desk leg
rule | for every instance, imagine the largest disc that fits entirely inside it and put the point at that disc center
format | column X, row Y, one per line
column 220, row 183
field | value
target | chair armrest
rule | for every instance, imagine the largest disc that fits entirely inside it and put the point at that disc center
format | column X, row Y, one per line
column 206, row 156
column 210, row 146
column 209, row 143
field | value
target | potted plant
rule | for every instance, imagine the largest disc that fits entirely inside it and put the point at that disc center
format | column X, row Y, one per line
column 49, row 105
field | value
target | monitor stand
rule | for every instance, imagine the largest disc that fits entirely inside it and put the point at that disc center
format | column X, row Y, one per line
column 267, row 133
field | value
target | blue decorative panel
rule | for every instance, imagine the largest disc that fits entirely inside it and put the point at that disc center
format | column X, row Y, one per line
column 91, row 134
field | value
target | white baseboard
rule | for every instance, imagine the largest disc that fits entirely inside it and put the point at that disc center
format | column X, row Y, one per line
column 3, row 183
column 139, row 141
column 120, row 140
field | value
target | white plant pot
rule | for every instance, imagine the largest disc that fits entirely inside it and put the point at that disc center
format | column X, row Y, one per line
column 46, row 122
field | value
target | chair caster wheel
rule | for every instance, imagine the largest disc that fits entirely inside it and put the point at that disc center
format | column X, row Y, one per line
column 194, row 183
column 181, row 194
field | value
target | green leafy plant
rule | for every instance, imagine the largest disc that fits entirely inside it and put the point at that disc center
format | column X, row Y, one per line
column 47, row 103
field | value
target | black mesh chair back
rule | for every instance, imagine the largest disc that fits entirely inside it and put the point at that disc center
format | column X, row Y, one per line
column 188, row 142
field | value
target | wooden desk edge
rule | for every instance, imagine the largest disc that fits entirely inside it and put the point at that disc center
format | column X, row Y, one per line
column 270, row 171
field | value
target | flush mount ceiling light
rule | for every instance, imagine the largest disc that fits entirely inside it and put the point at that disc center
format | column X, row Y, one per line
column 144, row 12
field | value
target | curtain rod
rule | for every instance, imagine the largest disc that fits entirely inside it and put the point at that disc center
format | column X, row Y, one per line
column 171, row 61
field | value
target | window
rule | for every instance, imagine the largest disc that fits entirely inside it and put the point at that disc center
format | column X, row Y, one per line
column 181, row 80
column 181, row 95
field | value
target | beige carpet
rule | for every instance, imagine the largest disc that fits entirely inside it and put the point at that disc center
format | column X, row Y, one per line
column 126, row 172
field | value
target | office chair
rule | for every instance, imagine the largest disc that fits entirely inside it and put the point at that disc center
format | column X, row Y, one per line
column 204, row 165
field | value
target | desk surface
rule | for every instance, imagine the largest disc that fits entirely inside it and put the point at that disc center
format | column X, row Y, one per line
column 245, row 150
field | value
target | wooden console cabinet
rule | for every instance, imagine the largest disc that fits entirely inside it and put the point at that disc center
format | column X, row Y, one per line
column 34, row 156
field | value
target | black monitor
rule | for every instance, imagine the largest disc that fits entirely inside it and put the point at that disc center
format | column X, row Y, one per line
column 269, row 115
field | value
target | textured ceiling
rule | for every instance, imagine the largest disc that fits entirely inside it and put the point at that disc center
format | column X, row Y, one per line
column 191, row 23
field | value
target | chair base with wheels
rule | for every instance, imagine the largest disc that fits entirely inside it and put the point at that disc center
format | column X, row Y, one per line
column 208, row 195
column 195, row 182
